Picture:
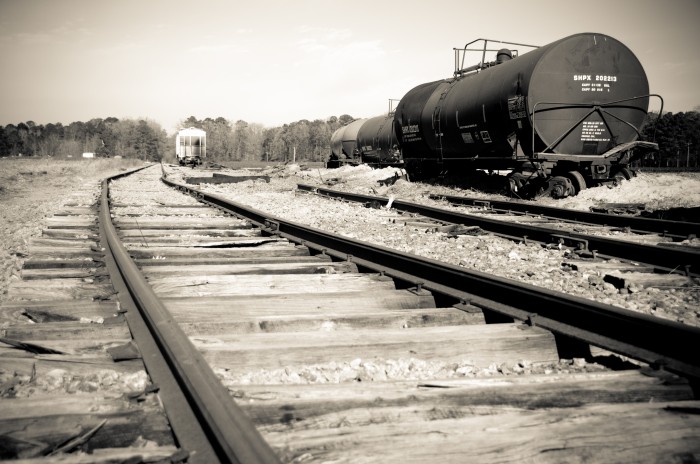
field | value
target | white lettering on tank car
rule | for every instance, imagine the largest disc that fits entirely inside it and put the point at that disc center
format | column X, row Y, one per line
column 595, row 84
column 594, row 131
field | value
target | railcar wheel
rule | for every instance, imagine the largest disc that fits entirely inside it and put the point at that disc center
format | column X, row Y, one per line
column 621, row 175
column 628, row 173
column 577, row 182
column 420, row 170
column 560, row 187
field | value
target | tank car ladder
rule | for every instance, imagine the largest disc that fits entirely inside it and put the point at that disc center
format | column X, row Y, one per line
column 437, row 125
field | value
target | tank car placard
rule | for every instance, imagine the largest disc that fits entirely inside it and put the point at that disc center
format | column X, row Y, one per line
column 595, row 82
column 594, row 131
column 410, row 133
column 467, row 137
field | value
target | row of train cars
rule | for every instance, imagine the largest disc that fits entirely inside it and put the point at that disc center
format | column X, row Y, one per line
column 559, row 118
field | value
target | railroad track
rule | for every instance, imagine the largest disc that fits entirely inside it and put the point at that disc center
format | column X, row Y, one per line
column 71, row 380
column 676, row 230
column 587, row 233
column 339, row 351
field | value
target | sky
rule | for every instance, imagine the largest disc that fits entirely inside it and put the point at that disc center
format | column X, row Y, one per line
column 278, row 61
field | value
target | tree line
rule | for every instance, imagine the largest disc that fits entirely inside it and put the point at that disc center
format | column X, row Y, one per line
column 129, row 138
column 678, row 136
column 302, row 140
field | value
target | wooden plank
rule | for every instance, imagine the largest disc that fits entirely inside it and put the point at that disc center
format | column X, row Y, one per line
column 49, row 370
column 268, row 404
column 200, row 241
column 267, row 284
column 71, row 234
column 637, row 432
column 37, row 425
column 154, row 203
column 69, row 330
column 59, row 289
column 627, row 279
column 70, row 222
column 56, row 311
column 67, row 253
column 71, row 347
column 336, row 323
column 240, row 269
column 158, row 210
column 65, row 272
column 209, row 232
column 191, row 309
column 127, row 454
column 42, row 242
column 77, row 211
column 221, row 179
column 481, row 345
column 180, row 223
column 75, row 261
column 241, row 178
column 217, row 260
column 333, row 321
column 602, row 267
column 217, row 253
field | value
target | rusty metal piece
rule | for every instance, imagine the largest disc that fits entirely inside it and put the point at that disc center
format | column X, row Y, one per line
column 580, row 243
column 531, row 319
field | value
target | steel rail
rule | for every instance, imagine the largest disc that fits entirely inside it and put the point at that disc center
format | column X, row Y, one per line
column 635, row 224
column 221, row 432
column 635, row 335
column 668, row 259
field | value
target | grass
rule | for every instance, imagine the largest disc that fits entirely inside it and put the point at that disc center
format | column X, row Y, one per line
column 18, row 174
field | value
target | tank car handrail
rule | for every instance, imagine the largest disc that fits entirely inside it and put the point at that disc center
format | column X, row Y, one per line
column 459, row 68
column 595, row 107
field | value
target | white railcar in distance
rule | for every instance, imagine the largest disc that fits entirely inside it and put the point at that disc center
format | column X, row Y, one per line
column 191, row 146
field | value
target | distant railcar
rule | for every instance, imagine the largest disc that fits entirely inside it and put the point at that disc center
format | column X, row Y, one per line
column 371, row 141
column 344, row 147
column 191, row 146
column 377, row 142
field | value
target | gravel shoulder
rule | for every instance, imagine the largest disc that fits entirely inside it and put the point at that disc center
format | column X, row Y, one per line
column 32, row 189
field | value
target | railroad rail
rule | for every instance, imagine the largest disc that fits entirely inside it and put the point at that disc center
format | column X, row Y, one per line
column 678, row 229
column 182, row 279
column 202, row 414
column 667, row 259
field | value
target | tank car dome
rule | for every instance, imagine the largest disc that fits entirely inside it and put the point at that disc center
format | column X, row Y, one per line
column 503, row 55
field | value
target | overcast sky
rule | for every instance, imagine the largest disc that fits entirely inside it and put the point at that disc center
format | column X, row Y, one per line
column 278, row 61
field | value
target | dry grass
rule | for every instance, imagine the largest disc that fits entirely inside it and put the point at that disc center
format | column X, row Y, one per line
column 18, row 175
column 33, row 188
